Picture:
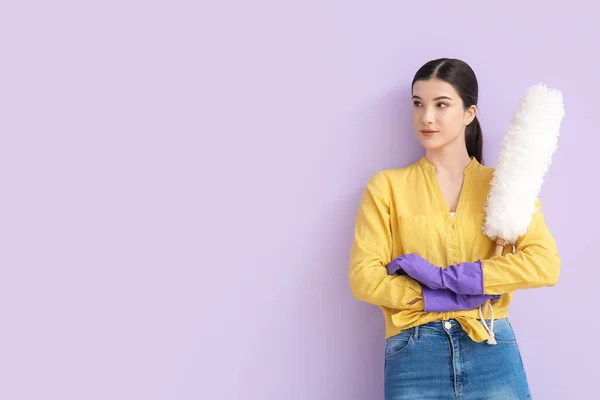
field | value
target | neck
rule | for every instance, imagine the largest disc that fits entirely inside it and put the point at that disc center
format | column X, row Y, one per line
column 449, row 159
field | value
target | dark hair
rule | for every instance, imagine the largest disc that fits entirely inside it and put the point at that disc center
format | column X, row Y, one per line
column 460, row 75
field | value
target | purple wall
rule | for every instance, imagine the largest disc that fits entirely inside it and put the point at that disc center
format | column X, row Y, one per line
column 179, row 185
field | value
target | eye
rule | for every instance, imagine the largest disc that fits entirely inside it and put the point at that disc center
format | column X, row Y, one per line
column 416, row 103
column 443, row 105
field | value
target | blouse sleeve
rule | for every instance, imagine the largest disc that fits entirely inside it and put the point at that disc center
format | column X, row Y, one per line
column 371, row 252
column 535, row 262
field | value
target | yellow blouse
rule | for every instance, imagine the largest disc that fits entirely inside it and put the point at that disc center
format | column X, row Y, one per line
column 403, row 211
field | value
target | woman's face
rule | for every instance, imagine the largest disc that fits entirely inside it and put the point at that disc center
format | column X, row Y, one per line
column 438, row 113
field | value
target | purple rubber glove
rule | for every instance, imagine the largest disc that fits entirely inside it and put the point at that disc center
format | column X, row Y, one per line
column 463, row 278
column 443, row 300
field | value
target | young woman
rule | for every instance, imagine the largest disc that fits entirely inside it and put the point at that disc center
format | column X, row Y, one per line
column 419, row 253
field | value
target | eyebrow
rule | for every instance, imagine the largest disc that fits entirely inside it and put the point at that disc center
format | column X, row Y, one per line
column 437, row 98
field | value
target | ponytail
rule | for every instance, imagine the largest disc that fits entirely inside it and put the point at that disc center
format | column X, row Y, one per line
column 474, row 140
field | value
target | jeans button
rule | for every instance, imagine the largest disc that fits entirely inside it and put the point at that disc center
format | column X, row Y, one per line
column 447, row 325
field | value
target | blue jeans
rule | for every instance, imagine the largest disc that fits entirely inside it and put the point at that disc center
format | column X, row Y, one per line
column 439, row 361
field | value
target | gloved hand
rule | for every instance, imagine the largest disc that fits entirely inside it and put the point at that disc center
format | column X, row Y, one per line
column 462, row 278
column 443, row 300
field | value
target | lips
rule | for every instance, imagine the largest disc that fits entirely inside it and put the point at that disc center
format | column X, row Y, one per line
column 428, row 132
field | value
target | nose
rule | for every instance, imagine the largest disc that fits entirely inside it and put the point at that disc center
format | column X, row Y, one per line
column 428, row 116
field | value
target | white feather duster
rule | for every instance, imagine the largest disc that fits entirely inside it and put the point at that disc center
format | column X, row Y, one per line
column 525, row 158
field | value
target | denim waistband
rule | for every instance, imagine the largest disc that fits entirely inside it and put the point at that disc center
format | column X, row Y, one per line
column 447, row 326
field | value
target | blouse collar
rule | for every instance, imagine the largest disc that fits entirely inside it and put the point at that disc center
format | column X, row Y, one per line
column 427, row 166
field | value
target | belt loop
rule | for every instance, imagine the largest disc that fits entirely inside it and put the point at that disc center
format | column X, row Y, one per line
column 416, row 333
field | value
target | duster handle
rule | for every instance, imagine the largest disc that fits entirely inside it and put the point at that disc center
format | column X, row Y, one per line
column 500, row 243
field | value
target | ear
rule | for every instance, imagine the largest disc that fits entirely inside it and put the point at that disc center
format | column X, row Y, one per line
column 470, row 114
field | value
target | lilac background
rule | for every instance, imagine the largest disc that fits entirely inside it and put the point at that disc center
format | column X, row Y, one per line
column 180, row 179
